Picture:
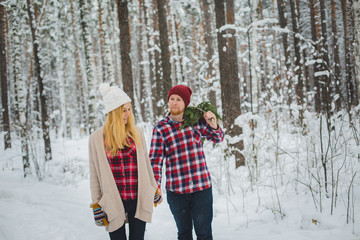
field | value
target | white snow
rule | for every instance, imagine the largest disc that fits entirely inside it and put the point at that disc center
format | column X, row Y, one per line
column 58, row 207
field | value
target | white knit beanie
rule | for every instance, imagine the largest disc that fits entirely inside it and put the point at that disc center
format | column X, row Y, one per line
column 113, row 97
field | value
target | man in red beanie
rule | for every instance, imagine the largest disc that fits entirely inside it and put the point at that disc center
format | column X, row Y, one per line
column 188, row 182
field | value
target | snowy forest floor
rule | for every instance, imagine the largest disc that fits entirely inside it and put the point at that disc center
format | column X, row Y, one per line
column 58, row 206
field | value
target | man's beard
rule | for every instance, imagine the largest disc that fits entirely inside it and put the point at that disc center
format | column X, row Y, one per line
column 176, row 112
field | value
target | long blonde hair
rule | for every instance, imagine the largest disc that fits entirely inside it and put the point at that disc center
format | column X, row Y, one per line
column 117, row 132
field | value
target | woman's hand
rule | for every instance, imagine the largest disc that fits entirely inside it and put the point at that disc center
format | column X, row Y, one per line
column 211, row 119
column 157, row 197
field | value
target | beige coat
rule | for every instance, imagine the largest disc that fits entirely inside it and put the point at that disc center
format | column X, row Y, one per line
column 103, row 187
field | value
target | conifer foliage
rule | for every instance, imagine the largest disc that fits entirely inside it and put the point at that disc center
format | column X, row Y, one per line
column 193, row 114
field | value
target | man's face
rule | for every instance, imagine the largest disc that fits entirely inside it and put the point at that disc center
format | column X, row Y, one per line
column 176, row 104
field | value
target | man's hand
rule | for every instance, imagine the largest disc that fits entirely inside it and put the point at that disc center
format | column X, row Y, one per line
column 211, row 119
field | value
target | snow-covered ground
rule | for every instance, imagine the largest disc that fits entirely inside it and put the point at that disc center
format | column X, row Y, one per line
column 58, row 206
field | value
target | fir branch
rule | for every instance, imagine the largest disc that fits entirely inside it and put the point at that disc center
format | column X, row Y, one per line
column 193, row 114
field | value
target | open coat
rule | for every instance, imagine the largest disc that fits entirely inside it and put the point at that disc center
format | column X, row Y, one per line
column 103, row 187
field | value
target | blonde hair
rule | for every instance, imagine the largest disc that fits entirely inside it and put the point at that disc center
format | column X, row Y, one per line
column 117, row 132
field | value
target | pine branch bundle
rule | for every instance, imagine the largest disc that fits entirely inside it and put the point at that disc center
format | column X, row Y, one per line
column 193, row 114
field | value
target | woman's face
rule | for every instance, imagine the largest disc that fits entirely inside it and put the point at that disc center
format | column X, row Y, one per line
column 126, row 111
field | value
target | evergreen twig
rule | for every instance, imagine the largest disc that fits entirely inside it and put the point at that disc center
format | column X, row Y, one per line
column 193, row 114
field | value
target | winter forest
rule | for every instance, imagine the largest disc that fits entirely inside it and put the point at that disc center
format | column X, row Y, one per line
column 283, row 74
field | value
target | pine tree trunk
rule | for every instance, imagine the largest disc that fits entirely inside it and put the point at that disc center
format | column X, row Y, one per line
column 314, row 38
column 336, row 60
column 101, row 43
column 108, row 58
column 141, row 68
column 91, row 126
column 229, row 79
column 158, row 91
column 353, row 42
column 151, row 59
column 351, row 90
column 283, row 24
column 3, row 78
column 207, row 16
column 298, row 68
column 356, row 7
column 253, row 61
column 44, row 116
column 326, row 79
column 19, row 86
column 79, row 75
column 164, row 46
column 125, row 48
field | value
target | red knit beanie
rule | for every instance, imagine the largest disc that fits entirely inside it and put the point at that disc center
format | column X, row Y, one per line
column 183, row 91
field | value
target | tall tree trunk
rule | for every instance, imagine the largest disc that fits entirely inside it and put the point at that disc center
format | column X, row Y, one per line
column 207, row 16
column 158, row 91
column 20, row 87
column 151, row 59
column 91, row 126
column 326, row 78
column 101, row 42
column 3, row 78
column 356, row 7
column 125, row 48
column 44, row 116
column 348, row 51
column 108, row 58
column 164, row 45
column 284, row 35
column 79, row 75
column 353, row 42
column 314, row 38
column 252, row 36
column 142, row 79
column 298, row 68
column 336, row 60
column 229, row 80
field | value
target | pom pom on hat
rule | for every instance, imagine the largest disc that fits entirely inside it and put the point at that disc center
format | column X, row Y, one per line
column 104, row 88
column 183, row 91
column 113, row 97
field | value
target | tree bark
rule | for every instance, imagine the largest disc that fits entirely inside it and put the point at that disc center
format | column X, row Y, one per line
column 158, row 91
column 164, row 45
column 125, row 48
column 3, row 78
column 326, row 79
column 350, row 85
column 284, row 35
column 298, row 68
column 207, row 16
column 44, row 116
column 141, row 69
column 336, row 60
column 314, row 38
column 91, row 126
column 229, row 80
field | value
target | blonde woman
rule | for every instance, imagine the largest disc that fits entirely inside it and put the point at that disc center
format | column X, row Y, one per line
column 121, row 178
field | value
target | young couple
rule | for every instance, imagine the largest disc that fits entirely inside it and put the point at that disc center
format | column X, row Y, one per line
column 124, row 178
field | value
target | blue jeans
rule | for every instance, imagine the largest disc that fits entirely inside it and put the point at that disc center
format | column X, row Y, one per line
column 136, row 226
column 193, row 209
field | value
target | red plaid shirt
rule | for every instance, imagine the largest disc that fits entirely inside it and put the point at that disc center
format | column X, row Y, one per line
column 186, row 169
column 124, row 168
